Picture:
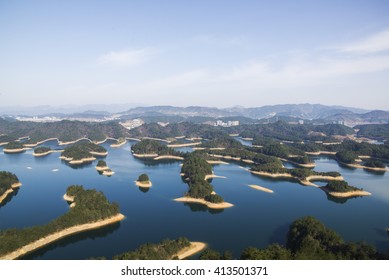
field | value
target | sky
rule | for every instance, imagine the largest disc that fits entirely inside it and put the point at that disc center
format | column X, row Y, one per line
column 217, row 53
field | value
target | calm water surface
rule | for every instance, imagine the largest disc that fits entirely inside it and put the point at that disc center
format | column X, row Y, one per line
column 257, row 219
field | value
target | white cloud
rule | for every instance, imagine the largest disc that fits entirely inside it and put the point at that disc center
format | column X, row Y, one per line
column 127, row 57
column 376, row 43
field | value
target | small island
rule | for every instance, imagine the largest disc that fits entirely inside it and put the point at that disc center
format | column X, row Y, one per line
column 119, row 142
column 195, row 171
column 148, row 148
column 8, row 183
column 143, row 181
column 179, row 248
column 343, row 189
column 43, row 151
column 90, row 210
column 14, row 147
column 103, row 168
column 82, row 152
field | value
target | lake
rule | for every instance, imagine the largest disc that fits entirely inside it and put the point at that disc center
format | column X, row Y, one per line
column 257, row 219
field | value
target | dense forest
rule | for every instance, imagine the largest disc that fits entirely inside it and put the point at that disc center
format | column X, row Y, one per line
column 148, row 146
column 7, row 179
column 42, row 150
column 143, row 178
column 101, row 163
column 284, row 131
column 63, row 130
column 223, row 141
column 82, row 150
column 90, row 206
column 195, row 168
column 306, row 239
column 340, row 186
column 13, row 145
column 164, row 250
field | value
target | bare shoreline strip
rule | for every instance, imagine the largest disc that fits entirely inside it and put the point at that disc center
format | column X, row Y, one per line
column 366, row 167
column 10, row 190
column 145, row 155
column 306, row 182
column 40, row 142
column 46, row 153
column 192, row 249
column 211, row 176
column 158, row 139
column 59, row 235
column 78, row 161
column 14, row 151
column 102, row 168
column 217, row 162
column 183, row 145
column 118, row 144
column 346, row 194
column 147, row 184
column 222, row 205
column 261, row 188
column 168, row 157
column 320, row 153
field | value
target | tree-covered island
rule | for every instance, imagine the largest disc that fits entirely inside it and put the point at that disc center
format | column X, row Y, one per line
column 343, row 189
column 195, row 171
column 8, row 182
column 14, row 147
column 143, row 181
column 82, row 152
column 167, row 249
column 91, row 210
column 148, row 148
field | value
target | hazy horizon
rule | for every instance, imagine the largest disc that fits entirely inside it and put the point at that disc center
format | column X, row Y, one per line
column 195, row 53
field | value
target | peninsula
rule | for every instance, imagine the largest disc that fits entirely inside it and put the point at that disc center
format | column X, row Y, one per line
column 8, row 183
column 91, row 210
column 82, row 152
column 196, row 171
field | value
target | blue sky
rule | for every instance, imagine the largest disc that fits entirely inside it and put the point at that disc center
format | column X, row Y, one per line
column 211, row 53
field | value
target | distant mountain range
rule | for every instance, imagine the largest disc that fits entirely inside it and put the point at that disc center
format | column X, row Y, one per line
column 291, row 112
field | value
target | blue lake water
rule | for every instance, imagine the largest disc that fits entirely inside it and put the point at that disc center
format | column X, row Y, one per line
column 257, row 219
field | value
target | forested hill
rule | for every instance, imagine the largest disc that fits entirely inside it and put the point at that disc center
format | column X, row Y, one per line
column 63, row 130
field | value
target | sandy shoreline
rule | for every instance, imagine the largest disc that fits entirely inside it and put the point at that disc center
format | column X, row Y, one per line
column 192, row 249
column 108, row 172
column 145, row 155
column 211, row 176
column 261, row 188
column 46, row 153
column 168, row 157
column 40, row 142
column 15, row 151
column 10, row 190
column 306, row 182
column 72, row 142
column 102, row 168
column 183, row 145
column 217, row 162
column 102, row 154
column 157, row 139
column 346, row 194
column 147, row 184
column 222, row 205
column 365, row 167
column 320, row 153
column 59, row 235
column 78, row 161
column 117, row 145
